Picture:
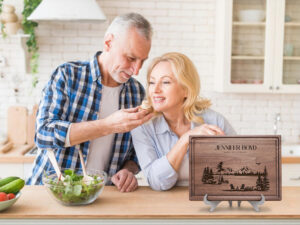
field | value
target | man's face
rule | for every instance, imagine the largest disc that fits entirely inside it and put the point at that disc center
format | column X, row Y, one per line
column 127, row 55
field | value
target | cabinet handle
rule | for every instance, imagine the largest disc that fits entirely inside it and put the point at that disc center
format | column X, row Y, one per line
column 295, row 178
column 277, row 88
column 271, row 87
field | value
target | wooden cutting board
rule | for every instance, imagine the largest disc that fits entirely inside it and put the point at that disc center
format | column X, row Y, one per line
column 20, row 131
column 31, row 126
column 17, row 125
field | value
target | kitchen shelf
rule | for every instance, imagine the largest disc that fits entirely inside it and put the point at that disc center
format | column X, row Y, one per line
column 19, row 35
column 254, row 24
column 246, row 57
column 16, row 36
column 292, row 24
column 293, row 58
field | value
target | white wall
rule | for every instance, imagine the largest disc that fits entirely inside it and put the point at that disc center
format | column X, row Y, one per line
column 184, row 26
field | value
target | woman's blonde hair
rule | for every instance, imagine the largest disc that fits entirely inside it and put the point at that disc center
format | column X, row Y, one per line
column 187, row 76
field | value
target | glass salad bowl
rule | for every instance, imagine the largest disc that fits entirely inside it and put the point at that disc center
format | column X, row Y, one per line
column 73, row 190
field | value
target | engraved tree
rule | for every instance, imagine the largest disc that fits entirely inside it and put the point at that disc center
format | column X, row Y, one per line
column 265, row 181
column 220, row 169
column 205, row 175
column 259, row 183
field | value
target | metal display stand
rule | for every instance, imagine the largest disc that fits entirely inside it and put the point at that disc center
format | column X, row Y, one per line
column 214, row 204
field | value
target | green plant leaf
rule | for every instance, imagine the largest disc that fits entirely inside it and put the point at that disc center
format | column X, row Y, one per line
column 4, row 35
column 29, row 28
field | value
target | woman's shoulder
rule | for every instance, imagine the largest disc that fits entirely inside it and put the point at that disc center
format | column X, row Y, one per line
column 211, row 116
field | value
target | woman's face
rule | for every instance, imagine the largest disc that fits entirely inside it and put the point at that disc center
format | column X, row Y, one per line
column 166, row 94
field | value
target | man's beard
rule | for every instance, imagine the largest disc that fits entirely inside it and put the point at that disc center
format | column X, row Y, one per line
column 119, row 78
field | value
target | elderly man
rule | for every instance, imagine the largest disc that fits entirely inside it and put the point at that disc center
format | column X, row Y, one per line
column 93, row 105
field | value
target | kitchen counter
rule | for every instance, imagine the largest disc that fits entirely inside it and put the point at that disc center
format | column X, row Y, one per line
column 18, row 158
column 36, row 203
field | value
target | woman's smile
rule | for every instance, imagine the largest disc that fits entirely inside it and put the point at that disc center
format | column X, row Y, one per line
column 158, row 99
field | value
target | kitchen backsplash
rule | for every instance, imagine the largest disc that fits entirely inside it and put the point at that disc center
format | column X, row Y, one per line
column 184, row 26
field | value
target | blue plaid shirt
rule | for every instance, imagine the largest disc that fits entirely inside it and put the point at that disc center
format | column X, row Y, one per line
column 72, row 95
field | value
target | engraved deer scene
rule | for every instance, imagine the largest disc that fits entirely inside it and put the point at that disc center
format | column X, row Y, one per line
column 236, row 180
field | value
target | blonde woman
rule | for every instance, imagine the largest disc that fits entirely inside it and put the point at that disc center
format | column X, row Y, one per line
column 161, row 145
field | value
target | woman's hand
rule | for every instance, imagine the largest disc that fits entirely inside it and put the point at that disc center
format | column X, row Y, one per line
column 205, row 129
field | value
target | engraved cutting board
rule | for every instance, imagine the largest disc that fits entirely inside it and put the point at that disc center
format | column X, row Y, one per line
column 240, row 167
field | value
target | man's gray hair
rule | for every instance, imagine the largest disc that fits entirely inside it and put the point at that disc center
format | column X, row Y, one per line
column 124, row 22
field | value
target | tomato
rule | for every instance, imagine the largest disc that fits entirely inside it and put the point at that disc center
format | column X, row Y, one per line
column 11, row 196
column 3, row 196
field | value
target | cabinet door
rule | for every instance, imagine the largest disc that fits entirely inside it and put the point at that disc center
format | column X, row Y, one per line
column 11, row 169
column 287, row 72
column 246, row 42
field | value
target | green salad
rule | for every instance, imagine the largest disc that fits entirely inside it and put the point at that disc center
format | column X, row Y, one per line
column 73, row 190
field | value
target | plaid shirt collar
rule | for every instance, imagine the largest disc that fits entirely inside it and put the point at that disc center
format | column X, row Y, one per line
column 95, row 68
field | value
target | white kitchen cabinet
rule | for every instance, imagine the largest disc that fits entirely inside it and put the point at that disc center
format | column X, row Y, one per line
column 11, row 169
column 290, row 175
column 258, row 57
column 21, row 170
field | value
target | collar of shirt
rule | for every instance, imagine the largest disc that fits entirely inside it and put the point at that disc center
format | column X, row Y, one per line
column 161, row 126
column 95, row 69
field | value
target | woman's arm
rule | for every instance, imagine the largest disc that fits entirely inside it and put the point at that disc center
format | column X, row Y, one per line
column 176, row 154
column 154, row 164
column 161, row 170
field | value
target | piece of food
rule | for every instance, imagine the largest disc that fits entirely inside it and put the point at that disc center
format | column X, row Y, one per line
column 7, row 180
column 145, row 105
column 13, row 187
column 3, row 197
column 11, row 196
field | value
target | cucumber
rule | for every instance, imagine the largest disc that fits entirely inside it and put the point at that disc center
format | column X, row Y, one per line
column 13, row 187
column 7, row 180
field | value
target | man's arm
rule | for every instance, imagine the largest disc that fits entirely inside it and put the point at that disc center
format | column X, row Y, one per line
column 51, row 124
column 121, row 121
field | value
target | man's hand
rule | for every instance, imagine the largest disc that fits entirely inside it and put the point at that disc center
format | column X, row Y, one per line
column 125, row 181
column 120, row 121
column 125, row 120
